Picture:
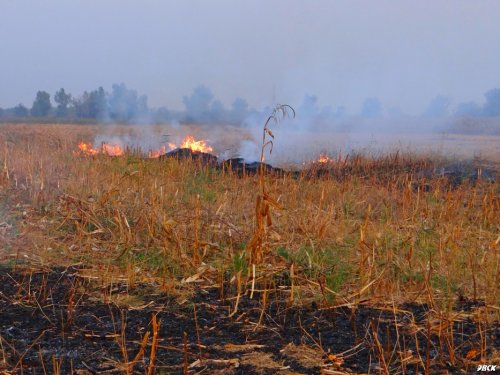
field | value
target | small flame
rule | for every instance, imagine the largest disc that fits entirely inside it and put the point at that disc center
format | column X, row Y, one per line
column 157, row 153
column 191, row 143
column 106, row 148
column 86, row 149
column 323, row 159
column 112, row 150
column 117, row 150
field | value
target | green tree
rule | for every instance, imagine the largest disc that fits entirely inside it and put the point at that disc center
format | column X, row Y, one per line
column 492, row 106
column 438, row 107
column 372, row 108
column 98, row 104
column 92, row 105
column 20, row 111
column 41, row 106
column 63, row 100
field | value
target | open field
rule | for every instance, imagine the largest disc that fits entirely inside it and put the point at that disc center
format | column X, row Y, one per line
column 367, row 264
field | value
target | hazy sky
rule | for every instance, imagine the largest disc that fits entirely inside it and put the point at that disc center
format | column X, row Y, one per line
column 403, row 52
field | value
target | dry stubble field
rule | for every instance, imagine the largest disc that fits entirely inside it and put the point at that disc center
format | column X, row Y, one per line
column 135, row 265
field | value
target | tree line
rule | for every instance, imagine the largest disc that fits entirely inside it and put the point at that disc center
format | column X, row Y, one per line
column 122, row 104
column 126, row 105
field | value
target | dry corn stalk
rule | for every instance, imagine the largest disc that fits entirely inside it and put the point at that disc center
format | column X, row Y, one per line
column 258, row 245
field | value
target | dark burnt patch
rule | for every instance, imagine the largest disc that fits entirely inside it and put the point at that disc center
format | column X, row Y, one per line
column 52, row 316
column 419, row 173
column 242, row 168
column 186, row 153
column 237, row 166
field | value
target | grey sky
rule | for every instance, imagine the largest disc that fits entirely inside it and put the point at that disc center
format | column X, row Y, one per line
column 403, row 52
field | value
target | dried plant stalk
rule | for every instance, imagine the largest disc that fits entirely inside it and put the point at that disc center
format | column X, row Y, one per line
column 258, row 244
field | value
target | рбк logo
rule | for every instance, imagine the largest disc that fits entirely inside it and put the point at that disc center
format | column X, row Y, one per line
column 487, row 368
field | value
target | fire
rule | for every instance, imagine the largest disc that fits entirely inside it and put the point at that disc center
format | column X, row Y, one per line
column 117, row 150
column 112, row 150
column 323, row 159
column 157, row 153
column 191, row 143
column 106, row 148
column 86, row 149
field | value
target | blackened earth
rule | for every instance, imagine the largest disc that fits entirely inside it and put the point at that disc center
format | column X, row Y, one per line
column 51, row 318
column 452, row 174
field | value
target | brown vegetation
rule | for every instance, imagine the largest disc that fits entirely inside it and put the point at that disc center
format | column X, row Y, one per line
column 372, row 232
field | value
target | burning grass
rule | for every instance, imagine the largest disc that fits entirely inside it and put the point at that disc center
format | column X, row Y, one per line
column 111, row 149
column 353, row 233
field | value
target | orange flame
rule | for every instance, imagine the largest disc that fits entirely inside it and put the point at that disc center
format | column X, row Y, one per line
column 106, row 148
column 191, row 143
column 323, row 159
column 86, row 149
column 117, row 150
column 112, row 150
column 157, row 153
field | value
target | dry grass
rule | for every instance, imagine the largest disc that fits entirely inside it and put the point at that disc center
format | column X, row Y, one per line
column 150, row 218
column 365, row 237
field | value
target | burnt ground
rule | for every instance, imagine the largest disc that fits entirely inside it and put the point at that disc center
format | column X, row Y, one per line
column 451, row 173
column 52, row 319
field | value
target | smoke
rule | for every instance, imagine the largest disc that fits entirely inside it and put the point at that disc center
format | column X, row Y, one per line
column 372, row 108
column 312, row 131
column 144, row 138
column 199, row 104
column 468, row 109
column 249, row 150
column 316, row 129
column 492, row 106
column 125, row 104
column 202, row 107
column 321, row 130
column 438, row 107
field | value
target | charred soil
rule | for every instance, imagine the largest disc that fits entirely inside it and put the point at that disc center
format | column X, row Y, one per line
column 51, row 320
